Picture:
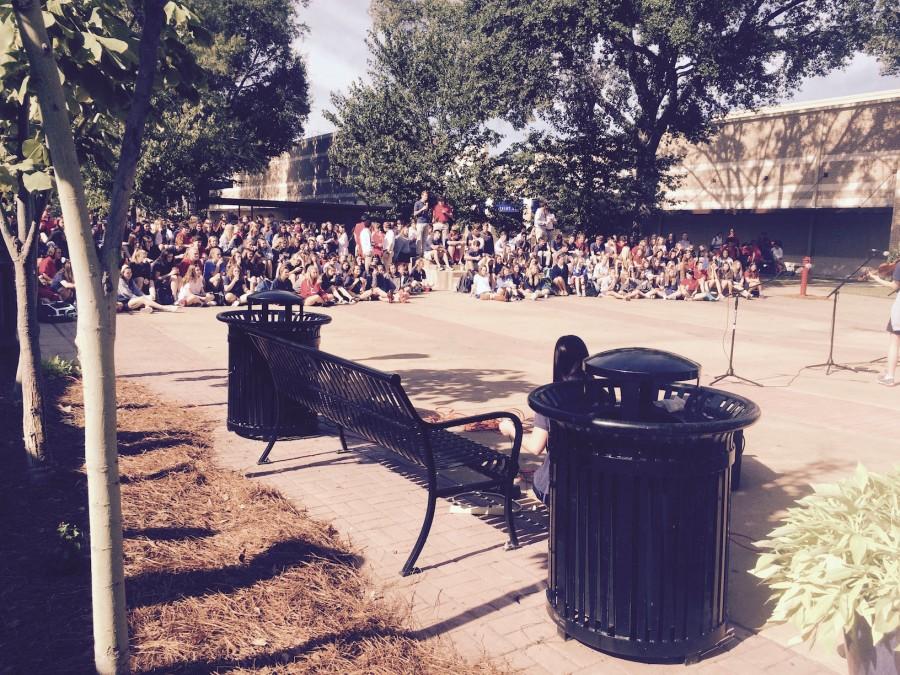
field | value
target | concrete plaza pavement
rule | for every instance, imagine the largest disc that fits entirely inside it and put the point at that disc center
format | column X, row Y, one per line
column 456, row 354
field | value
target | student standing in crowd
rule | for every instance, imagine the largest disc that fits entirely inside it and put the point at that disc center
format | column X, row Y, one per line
column 888, row 377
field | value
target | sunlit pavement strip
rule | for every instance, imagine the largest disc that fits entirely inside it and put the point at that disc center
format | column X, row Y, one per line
column 470, row 357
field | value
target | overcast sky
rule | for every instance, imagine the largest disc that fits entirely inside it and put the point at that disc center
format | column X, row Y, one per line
column 336, row 55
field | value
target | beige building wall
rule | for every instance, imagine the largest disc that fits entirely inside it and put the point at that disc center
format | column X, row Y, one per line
column 834, row 154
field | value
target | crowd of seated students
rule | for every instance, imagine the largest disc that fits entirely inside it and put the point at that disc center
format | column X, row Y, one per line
column 530, row 266
column 168, row 264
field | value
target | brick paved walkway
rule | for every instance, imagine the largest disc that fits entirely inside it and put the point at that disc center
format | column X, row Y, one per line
column 455, row 353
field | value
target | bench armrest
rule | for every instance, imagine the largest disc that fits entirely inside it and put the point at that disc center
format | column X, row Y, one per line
column 517, row 439
column 484, row 417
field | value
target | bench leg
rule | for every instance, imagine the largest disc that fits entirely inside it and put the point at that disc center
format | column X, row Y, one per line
column 409, row 567
column 510, row 518
column 344, row 447
column 264, row 458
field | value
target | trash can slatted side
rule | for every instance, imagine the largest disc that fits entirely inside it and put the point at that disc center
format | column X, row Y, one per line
column 640, row 515
column 255, row 409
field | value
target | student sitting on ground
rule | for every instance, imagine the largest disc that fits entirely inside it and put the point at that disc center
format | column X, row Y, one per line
column 130, row 297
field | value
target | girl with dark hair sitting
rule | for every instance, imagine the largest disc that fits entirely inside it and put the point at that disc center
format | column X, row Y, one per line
column 568, row 364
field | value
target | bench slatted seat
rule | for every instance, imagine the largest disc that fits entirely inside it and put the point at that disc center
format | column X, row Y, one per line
column 374, row 406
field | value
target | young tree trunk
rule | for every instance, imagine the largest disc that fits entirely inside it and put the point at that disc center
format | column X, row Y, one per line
column 94, row 338
column 21, row 243
column 28, row 374
column 96, row 277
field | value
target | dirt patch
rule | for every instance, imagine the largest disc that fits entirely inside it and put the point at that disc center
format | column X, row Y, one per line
column 223, row 575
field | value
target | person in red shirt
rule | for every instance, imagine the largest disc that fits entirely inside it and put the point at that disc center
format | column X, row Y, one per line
column 311, row 289
column 442, row 215
column 183, row 239
column 357, row 231
column 48, row 266
column 377, row 241
column 686, row 288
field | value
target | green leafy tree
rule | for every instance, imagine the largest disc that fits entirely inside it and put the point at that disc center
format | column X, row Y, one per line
column 75, row 64
column 650, row 69
column 884, row 41
column 253, row 107
column 417, row 123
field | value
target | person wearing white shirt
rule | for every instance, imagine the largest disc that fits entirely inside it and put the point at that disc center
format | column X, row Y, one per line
column 540, row 220
column 387, row 257
column 365, row 242
column 482, row 288
column 343, row 241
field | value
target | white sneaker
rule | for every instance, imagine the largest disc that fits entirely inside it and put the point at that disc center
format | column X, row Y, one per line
column 886, row 380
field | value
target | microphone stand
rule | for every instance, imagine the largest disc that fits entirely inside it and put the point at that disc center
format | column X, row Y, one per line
column 830, row 364
column 730, row 372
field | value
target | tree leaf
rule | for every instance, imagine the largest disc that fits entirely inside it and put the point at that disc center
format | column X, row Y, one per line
column 858, row 546
column 33, row 149
column 23, row 89
column 7, row 35
column 95, row 19
column 113, row 44
column 6, row 177
column 92, row 45
column 39, row 181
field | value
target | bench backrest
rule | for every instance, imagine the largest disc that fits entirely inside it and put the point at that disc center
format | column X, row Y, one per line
column 368, row 402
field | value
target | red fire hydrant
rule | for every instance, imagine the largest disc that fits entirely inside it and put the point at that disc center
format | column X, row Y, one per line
column 804, row 275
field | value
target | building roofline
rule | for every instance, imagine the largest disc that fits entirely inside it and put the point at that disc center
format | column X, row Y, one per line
column 315, row 136
column 883, row 96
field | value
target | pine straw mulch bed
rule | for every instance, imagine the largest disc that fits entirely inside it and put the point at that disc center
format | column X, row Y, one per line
column 223, row 575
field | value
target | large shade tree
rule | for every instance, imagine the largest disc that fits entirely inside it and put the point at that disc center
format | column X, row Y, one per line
column 253, row 106
column 415, row 123
column 884, row 34
column 648, row 69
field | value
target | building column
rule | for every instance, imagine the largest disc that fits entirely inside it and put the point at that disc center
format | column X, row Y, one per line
column 895, row 218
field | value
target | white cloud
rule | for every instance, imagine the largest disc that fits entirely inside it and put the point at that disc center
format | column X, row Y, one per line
column 335, row 52
column 861, row 76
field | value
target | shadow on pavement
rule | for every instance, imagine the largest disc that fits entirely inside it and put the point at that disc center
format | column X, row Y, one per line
column 456, row 386
column 756, row 510
column 174, row 372
column 482, row 610
column 395, row 357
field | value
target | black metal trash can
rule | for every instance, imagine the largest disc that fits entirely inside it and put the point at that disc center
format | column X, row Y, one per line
column 640, row 506
column 253, row 404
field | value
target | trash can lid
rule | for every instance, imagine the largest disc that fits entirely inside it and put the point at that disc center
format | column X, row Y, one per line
column 274, row 298
column 640, row 363
column 592, row 404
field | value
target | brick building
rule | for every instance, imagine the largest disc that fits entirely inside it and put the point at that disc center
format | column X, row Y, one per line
column 823, row 177
column 296, row 183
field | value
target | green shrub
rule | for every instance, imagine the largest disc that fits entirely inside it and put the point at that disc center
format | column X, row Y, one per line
column 58, row 367
column 837, row 557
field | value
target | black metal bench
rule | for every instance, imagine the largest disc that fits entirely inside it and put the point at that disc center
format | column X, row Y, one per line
column 373, row 405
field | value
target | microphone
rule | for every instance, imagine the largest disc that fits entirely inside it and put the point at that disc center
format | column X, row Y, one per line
column 884, row 254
